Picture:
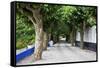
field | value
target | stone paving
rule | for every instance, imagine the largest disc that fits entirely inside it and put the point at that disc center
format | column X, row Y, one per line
column 61, row 52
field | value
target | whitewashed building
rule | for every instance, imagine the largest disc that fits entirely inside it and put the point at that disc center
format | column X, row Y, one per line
column 90, row 38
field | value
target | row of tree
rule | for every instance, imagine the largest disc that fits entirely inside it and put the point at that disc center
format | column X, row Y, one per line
column 51, row 21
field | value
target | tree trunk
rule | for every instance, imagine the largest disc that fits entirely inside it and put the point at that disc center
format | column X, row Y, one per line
column 38, row 41
column 81, row 39
column 75, row 38
column 45, row 41
column 49, row 37
column 66, row 38
column 54, row 39
column 82, row 35
column 72, row 38
column 57, row 38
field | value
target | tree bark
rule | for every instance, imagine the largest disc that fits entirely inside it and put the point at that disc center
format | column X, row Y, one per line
column 39, row 34
column 75, row 38
column 38, row 42
column 81, row 40
column 37, row 17
column 82, row 35
column 49, row 36
column 45, row 40
column 72, row 38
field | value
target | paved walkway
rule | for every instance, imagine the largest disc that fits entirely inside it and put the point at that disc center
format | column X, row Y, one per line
column 61, row 52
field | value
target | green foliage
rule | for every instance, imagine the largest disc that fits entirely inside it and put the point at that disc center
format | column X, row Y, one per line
column 57, row 20
column 25, row 34
column 91, row 22
column 67, row 18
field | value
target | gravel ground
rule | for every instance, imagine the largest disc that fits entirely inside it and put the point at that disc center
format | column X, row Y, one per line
column 61, row 52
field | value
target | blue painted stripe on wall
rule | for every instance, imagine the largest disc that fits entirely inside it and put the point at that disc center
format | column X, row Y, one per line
column 24, row 54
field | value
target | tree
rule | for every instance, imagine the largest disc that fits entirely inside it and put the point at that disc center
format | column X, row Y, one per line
column 54, row 20
column 50, row 21
column 83, row 18
column 25, row 34
column 68, row 18
column 36, row 14
column 33, row 13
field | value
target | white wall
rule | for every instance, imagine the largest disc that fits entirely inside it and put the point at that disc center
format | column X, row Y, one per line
column 89, row 35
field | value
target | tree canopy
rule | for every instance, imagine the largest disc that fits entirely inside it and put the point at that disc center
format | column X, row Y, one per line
column 57, row 20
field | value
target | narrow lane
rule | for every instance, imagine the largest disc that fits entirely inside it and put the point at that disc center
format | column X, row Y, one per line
column 61, row 52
